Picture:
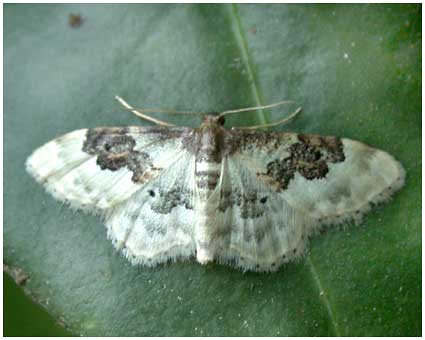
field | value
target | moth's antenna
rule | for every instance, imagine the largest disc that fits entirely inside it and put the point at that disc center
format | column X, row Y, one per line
column 141, row 115
column 170, row 112
column 279, row 122
column 256, row 108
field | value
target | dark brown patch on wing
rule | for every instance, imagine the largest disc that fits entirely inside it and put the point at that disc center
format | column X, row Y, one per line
column 237, row 140
column 280, row 171
column 114, row 149
column 309, row 157
column 332, row 146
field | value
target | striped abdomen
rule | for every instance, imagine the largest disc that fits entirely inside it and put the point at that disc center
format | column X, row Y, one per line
column 207, row 177
column 208, row 162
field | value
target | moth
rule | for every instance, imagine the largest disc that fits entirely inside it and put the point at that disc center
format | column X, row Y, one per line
column 239, row 196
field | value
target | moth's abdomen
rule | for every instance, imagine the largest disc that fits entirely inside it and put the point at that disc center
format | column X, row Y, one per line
column 207, row 175
column 208, row 171
column 208, row 160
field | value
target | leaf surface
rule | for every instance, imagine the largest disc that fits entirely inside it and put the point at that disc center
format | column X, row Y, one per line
column 355, row 70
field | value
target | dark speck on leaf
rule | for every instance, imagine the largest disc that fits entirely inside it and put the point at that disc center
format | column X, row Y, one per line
column 75, row 20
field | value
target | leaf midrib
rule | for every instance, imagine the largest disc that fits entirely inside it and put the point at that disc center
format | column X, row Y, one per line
column 246, row 59
column 245, row 56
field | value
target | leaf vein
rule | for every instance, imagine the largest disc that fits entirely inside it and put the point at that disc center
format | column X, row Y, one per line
column 323, row 296
column 246, row 59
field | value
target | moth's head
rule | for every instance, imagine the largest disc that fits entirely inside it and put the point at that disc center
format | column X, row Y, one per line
column 213, row 118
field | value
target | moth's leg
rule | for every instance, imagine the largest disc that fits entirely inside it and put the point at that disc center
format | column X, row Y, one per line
column 142, row 115
column 283, row 121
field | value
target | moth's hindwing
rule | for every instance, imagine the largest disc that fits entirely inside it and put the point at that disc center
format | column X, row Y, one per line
column 158, row 222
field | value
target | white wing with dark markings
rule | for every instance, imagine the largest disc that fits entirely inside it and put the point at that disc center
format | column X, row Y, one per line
column 249, row 199
column 138, row 178
column 96, row 169
column 276, row 189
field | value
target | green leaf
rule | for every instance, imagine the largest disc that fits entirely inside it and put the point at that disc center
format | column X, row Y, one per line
column 355, row 69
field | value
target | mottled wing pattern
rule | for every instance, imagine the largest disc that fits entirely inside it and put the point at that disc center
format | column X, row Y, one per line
column 138, row 178
column 250, row 199
column 277, row 188
column 157, row 223
column 365, row 177
column 95, row 169
column 256, row 227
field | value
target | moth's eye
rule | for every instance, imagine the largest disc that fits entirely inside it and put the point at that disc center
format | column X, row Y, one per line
column 107, row 146
column 151, row 193
column 263, row 200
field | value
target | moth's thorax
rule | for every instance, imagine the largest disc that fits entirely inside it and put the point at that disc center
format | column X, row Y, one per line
column 212, row 119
